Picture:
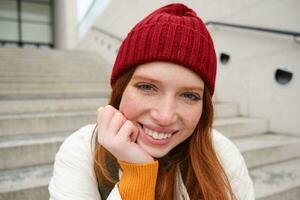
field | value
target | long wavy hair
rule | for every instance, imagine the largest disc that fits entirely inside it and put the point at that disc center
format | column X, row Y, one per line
column 202, row 172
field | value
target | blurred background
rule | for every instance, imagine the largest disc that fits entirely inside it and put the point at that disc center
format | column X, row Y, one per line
column 55, row 62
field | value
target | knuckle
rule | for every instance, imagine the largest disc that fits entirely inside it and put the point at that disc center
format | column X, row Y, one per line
column 99, row 110
column 110, row 107
column 129, row 123
column 117, row 115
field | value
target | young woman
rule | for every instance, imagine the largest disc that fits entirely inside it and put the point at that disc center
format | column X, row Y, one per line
column 155, row 139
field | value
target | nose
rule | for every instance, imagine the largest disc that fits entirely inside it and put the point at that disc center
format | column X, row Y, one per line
column 164, row 112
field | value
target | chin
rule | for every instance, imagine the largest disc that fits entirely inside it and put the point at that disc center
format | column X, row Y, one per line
column 155, row 152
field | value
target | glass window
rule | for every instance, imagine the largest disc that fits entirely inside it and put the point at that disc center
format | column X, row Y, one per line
column 26, row 22
column 8, row 10
column 35, row 12
column 8, row 20
column 9, row 30
column 36, row 33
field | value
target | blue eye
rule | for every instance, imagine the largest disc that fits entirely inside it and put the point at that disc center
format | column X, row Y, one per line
column 191, row 96
column 145, row 87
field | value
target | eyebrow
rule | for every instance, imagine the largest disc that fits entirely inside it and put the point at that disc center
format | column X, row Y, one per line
column 140, row 77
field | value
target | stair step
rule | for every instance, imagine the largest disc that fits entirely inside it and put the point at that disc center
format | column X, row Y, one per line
column 272, row 182
column 269, row 148
column 46, row 78
column 53, row 85
column 240, row 126
column 53, row 94
column 25, row 183
column 51, row 105
column 19, row 106
column 66, row 121
column 44, row 122
column 29, row 150
column 97, row 73
column 277, row 181
column 40, row 149
column 50, row 60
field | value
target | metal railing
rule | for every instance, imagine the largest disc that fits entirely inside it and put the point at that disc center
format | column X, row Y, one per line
column 24, row 44
column 238, row 26
column 254, row 28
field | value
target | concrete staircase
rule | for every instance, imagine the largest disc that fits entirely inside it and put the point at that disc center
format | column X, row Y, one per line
column 36, row 114
column 44, row 96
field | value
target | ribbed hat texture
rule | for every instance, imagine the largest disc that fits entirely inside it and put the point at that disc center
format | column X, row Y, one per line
column 172, row 33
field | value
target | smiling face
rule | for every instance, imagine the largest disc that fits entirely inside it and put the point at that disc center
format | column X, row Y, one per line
column 165, row 101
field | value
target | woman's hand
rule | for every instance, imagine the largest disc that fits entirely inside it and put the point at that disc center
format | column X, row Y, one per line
column 118, row 135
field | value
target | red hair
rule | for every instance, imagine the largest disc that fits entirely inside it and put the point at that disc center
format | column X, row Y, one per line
column 202, row 172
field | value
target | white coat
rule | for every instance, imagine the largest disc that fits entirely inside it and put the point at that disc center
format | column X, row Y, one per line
column 74, row 177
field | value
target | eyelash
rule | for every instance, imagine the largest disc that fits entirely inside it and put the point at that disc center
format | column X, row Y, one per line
column 150, row 88
column 192, row 97
column 143, row 85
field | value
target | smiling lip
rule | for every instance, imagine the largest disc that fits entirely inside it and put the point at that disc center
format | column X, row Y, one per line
column 148, row 139
column 159, row 129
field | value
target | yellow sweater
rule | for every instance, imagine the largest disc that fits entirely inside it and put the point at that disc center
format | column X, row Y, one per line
column 138, row 180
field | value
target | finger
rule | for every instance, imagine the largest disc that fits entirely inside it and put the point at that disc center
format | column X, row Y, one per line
column 106, row 116
column 116, row 123
column 135, row 134
column 126, row 131
column 99, row 115
column 103, row 114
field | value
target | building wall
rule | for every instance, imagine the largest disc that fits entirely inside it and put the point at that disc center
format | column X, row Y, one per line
column 248, row 78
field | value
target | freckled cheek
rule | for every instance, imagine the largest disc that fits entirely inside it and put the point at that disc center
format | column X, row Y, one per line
column 131, row 106
column 192, row 118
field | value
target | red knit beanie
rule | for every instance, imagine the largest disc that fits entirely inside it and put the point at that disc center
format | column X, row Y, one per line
column 173, row 33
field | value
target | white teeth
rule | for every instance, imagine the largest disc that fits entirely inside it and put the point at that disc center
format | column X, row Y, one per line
column 161, row 136
column 157, row 135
